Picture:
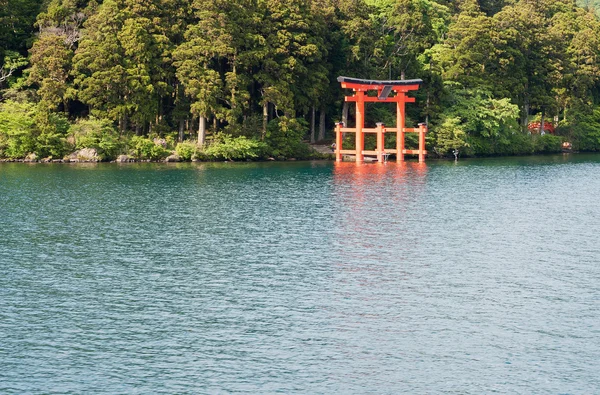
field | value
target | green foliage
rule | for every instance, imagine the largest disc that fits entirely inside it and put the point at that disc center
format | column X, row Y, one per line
column 259, row 69
column 52, row 139
column 473, row 118
column 186, row 150
column 547, row 144
column 13, row 61
column 17, row 129
column 17, row 19
column 284, row 136
column 51, row 60
column 449, row 136
column 249, row 127
column 593, row 5
column 515, row 144
column 25, row 128
column 143, row 148
column 99, row 134
column 584, row 131
column 235, row 148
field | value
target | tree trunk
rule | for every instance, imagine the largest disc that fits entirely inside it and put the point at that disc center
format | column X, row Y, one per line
column 345, row 110
column 234, row 86
column 181, row 128
column 125, row 124
column 265, row 120
column 312, row 125
column 427, row 103
column 321, row 124
column 159, row 114
column 542, row 124
column 201, row 130
column 525, row 114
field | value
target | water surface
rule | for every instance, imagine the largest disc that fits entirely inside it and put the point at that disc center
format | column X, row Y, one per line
column 475, row 277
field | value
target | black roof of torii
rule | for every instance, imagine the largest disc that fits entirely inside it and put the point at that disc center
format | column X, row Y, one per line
column 351, row 80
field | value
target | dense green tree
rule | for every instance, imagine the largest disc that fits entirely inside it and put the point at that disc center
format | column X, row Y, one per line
column 405, row 29
column 290, row 68
column 17, row 19
column 121, row 66
column 208, row 48
column 51, row 61
column 475, row 119
column 468, row 52
column 98, row 65
column 17, row 129
column 266, row 70
column 490, row 7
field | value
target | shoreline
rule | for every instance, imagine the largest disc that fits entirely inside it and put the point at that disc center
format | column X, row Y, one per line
column 331, row 158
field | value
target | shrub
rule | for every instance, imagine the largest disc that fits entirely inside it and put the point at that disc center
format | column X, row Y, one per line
column 99, row 134
column 52, row 139
column 186, row 150
column 235, row 148
column 449, row 136
column 145, row 148
column 284, row 137
column 547, row 143
column 583, row 130
column 250, row 127
column 17, row 129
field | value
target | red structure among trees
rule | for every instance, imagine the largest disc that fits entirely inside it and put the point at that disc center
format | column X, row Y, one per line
column 534, row 127
column 400, row 88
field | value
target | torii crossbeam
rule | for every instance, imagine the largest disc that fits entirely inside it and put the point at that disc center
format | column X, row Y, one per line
column 384, row 89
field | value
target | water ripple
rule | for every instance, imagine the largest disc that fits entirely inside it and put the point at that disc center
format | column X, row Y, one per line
column 474, row 277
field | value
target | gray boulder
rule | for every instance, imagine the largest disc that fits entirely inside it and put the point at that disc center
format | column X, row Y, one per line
column 31, row 158
column 173, row 158
column 88, row 155
column 123, row 158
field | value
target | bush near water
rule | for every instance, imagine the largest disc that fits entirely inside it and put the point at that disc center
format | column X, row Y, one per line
column 22, row 136
column 142, row 78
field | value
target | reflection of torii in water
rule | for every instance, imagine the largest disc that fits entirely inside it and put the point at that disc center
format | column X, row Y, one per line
column 384, row 89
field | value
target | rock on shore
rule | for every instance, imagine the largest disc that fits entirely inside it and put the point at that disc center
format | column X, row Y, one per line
column 173, row 158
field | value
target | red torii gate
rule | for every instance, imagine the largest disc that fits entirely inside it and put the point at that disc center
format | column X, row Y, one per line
column 384, row 88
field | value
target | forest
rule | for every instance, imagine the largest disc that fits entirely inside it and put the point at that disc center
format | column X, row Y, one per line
column 256, row 79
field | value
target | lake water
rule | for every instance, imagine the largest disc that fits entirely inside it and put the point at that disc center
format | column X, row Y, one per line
column 313, row 277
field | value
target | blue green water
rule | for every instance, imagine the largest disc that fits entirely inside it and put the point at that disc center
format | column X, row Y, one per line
column 476, row 277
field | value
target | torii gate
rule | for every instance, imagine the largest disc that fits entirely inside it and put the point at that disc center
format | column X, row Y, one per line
column 384, row 88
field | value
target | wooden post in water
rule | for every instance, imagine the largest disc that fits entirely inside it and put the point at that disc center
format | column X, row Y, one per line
column 422, row 152
column 338, row 141
column 400, row 119
column 380, row 142
column 360, row 124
